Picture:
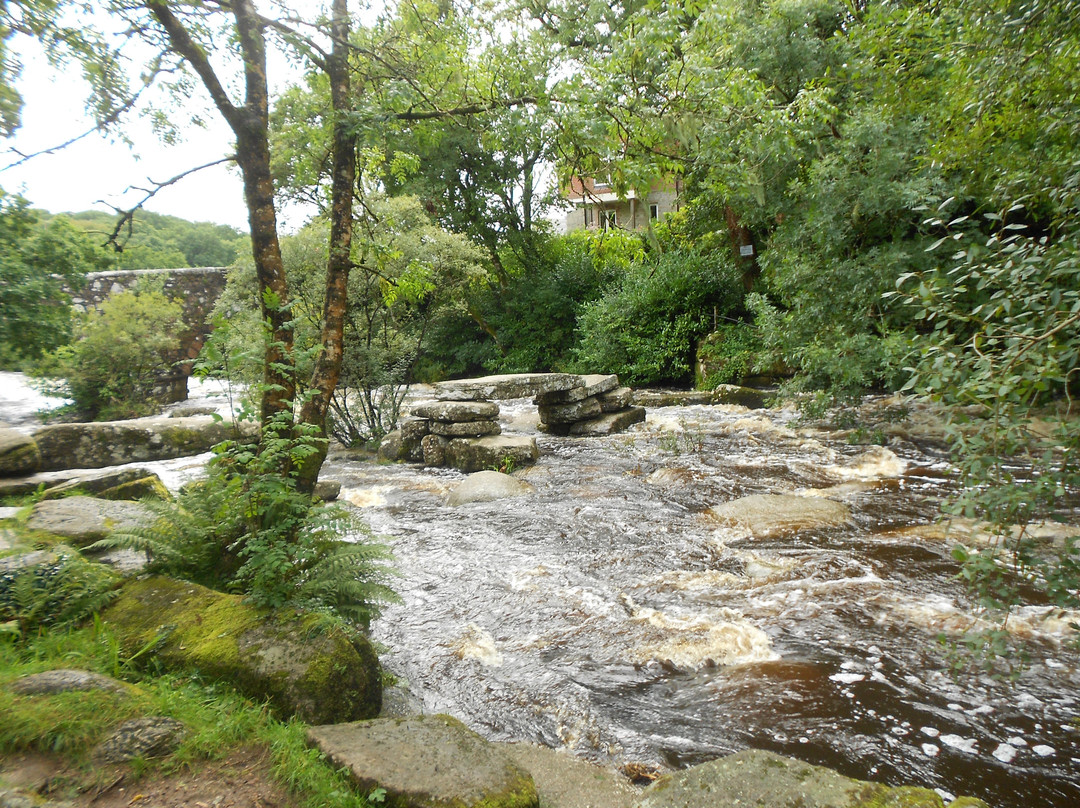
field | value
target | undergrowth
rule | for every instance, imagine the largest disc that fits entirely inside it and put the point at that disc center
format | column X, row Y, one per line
column 217, row 718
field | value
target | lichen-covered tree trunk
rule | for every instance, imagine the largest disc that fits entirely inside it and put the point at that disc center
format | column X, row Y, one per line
column 251, row 125
column 324, row 378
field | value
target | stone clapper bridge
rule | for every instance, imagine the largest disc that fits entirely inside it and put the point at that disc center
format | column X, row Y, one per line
column 460, row 427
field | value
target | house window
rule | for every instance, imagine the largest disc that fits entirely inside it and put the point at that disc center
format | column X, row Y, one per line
column 588, row 216
column 610, row 221
column 654, row 212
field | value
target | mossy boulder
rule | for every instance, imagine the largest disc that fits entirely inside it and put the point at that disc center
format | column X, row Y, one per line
column 767, row 780
column 305, row 665
column 127, row 483
column 112, row 443
column 19, row 453
column 85, row 520
column 426, row 762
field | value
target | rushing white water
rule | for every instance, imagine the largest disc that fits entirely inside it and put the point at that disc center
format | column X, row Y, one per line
column 609, row 613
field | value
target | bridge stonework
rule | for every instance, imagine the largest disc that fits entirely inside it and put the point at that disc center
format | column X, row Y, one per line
column 197, row 289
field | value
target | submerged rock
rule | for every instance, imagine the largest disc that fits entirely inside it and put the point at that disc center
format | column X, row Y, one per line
column 304, row 665
column 426, row 762
column 487, row 486
column 767, row 515
column 767, row 780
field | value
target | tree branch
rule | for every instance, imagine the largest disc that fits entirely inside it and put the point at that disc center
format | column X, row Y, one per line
column 127, row 217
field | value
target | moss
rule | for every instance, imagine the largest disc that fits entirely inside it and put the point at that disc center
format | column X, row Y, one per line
column 305, row 665
column 149, row 486
column 878, row 796
column 181, row 437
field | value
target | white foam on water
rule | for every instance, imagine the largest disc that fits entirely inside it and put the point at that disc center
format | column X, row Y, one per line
column 930, row 749
column 961, row 744
column 696, row 641
column 373, row 497
column 1005, row 753
column 877, row 463
column 847, row 678
column 476, row 643
column 1042, row 750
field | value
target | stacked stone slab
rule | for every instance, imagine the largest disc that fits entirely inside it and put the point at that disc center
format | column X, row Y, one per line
column 596, row 406
column 460, row 428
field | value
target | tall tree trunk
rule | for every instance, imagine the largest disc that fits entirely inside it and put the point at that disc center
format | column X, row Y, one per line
column 250, row 124
column 324, row 378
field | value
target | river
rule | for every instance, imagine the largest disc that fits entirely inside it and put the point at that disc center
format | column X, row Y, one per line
column 609, row 614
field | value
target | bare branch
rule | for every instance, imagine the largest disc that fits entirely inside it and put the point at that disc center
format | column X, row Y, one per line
column 127, row 217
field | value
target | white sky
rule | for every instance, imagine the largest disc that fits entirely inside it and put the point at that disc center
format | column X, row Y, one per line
column 96, row 168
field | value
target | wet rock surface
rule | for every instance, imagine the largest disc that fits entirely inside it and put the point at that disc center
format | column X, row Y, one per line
column 85, row 520
column 426, row 762
column 487, row 486
column 766, row 780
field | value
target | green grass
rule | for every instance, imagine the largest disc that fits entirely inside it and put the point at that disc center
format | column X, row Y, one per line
column 218, row 719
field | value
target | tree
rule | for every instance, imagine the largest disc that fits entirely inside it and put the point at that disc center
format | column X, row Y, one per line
column 37, row 267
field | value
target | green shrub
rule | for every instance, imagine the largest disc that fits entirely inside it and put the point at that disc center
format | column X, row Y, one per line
column 246, row 528
column 729, row 354
column 113, row 368
column 63, row 593
column 645, row 327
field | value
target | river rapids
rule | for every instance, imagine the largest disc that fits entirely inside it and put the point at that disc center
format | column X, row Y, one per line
column 611, row 614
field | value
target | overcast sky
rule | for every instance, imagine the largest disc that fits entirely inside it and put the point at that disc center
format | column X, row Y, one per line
column 99, row 170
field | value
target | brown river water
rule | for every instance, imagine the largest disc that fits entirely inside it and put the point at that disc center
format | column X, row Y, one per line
column 609, row 614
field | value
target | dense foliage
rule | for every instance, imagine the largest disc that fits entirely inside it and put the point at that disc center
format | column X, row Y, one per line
column 119, row 356
column 38, row 264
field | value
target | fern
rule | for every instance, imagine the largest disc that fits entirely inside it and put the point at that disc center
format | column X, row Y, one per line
column 59, row 594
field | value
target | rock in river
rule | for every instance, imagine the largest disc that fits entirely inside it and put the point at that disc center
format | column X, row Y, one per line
column 767, row 515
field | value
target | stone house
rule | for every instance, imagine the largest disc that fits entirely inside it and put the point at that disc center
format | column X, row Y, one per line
column 597, row 206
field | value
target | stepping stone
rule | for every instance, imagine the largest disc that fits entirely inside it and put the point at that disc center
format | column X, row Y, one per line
column 514, row 385
column 592, row 385
column 456, row 411
column 610, row 423
column 426, row 762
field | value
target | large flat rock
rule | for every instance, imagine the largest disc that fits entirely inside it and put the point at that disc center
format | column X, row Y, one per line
column 477, row 454
column 565, row 781
column 426, row 762
column 112, row 443
column 514, row 385
column 591, row 385
column 766, row 780
column 570, row 413
column 457, row 411
column 85, row 520
column 609, row 423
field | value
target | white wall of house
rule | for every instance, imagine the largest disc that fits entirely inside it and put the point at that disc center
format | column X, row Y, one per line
column 625, row 214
